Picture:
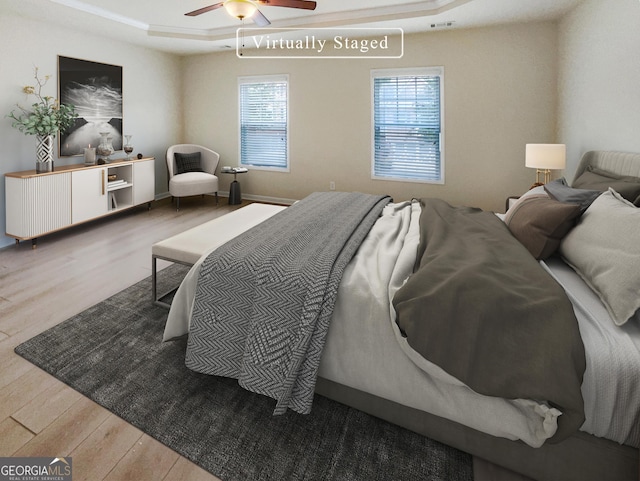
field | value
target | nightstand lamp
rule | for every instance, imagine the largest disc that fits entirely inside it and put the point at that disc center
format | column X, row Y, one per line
column 545, row 158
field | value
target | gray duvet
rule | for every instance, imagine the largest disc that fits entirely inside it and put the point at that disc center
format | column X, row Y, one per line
column 483, row 309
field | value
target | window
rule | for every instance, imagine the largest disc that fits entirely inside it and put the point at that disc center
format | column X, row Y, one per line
column 264, row 122
column 407, row 124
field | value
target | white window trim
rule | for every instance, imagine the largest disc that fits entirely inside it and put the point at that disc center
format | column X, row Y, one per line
column 400, row 72
column 262, row 79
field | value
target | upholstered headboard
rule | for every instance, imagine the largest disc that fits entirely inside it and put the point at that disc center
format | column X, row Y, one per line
column 622, row 163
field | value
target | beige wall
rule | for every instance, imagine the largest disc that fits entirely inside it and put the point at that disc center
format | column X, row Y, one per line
column 504, row 87
column 500, row 93
column 151, row 90
column 599, row 78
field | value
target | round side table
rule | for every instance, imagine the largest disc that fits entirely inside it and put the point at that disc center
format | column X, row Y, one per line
column 235, row 195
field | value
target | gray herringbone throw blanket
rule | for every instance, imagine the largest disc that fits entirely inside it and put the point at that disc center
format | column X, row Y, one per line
column 264, row 300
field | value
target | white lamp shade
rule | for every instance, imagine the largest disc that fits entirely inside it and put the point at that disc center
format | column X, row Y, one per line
column 240, row 8
column 546, row 156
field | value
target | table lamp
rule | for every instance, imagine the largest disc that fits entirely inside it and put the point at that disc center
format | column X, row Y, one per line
column 545, row 158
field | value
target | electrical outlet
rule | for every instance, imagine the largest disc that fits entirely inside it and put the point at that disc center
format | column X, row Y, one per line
column 332, row 185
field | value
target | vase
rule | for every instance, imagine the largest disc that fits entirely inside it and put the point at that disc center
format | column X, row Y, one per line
column 105, row 148
column 44, row 153
column 128, row 148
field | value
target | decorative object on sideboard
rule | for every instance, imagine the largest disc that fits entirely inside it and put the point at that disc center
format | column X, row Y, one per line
column 46, row 117
column 128, row 148
column 105, row 148
column 44, row 153
column 139, row 156
column 96, row 91
column 90, row 155
column 545, row 158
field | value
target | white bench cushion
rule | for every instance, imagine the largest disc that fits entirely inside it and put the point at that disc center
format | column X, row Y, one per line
column 188, row 246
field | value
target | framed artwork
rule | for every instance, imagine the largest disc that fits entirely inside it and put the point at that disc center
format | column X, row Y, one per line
column 95, row 89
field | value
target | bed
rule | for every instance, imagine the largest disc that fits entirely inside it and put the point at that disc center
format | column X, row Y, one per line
column 367, row 362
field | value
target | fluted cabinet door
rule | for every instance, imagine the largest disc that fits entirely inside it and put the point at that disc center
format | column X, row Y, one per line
column 37, row 205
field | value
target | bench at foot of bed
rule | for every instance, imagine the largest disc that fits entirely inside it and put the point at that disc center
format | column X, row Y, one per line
column 188, row 246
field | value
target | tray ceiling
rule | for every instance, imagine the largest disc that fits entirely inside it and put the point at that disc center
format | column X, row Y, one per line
column 162, row 25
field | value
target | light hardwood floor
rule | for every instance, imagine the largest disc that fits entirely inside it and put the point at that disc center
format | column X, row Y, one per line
column 69, row 272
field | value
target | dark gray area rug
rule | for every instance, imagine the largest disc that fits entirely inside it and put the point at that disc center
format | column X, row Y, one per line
column 113, row 354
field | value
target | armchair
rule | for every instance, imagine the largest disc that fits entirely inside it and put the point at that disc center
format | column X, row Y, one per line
column 192, row 171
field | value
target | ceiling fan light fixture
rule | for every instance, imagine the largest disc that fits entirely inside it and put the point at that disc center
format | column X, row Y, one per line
column 240, row 8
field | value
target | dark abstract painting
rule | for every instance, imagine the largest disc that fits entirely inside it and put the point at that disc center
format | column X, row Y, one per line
column 95, row 89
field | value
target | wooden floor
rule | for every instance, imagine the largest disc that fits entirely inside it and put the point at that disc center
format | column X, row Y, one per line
column 69, row 272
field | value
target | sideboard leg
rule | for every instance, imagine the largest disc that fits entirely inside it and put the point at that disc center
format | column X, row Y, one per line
column 34, row 243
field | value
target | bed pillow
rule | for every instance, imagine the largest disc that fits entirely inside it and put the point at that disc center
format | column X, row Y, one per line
column 540, row 223
column 559, row 190
column 604, row 249
column 533, row 191
column 597, row 179
column 188, row 162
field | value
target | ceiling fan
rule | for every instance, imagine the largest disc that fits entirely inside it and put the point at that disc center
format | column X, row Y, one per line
column 249, row 8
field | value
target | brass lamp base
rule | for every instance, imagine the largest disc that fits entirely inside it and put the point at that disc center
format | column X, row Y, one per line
column 546, row 175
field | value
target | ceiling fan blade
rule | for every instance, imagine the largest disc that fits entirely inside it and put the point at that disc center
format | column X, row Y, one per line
column 259, row 19
column 305, row 4
column 200, row 11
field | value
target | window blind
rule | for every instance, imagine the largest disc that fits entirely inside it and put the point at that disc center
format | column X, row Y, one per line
column 263, row 124
column 407, row 127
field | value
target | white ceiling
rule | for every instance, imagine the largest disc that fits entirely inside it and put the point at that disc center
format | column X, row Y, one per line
column 162, row 25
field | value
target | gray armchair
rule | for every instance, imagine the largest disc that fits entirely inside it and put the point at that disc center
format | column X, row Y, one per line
column 192, row 171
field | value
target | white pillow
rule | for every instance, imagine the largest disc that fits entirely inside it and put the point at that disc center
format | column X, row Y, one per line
column 604, row 249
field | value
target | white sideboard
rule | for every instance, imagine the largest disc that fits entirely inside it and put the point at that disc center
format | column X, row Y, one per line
column 38, row 204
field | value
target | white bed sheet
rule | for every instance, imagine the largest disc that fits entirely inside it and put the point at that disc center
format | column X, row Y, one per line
column 359, row 352
column 611, row 385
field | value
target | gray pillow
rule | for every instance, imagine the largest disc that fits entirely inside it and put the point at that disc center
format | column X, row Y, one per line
column 559, row 190
column 598, row 179
column 188, row 162
column 603, row 248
